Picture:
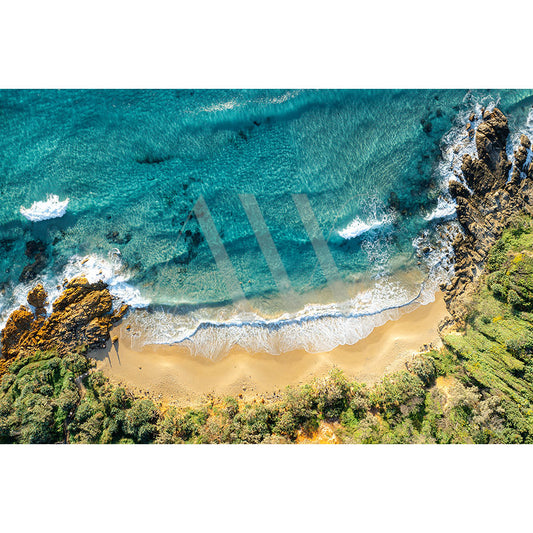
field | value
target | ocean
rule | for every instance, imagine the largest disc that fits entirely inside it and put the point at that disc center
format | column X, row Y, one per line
column 270, row 219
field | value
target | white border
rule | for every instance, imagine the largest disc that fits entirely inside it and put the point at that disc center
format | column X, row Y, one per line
column 207, row 44
column 279, row 43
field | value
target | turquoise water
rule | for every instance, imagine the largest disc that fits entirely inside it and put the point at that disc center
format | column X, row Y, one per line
column 133, row 164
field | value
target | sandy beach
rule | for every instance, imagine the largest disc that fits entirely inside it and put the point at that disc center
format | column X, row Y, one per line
column 172, row 375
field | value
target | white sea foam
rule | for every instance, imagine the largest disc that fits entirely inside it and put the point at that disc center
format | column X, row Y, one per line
column 221, row 106
column 52, row 207
column 234, row 104
column 211, row 333
column 514, row 142
column 445, row 209
column 111, row 271
column 458, row 141
column 357, row 226
column 317, row 327
column 288, row 95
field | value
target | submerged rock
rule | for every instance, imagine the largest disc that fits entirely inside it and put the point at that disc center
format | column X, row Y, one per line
column 35, row 250
column 115, row 237
column 82, row 316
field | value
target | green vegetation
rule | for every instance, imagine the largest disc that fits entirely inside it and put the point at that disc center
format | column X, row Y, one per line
column 477, row 389
column 47, row 399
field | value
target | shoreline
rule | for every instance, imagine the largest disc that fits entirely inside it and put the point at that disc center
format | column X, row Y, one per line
column 170, row 374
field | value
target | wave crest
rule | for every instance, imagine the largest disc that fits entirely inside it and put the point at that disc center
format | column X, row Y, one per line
column 445, row 209
column 52, row 207
column 357, row 226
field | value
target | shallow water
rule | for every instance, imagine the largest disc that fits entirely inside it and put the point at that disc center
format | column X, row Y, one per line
column 364, row 171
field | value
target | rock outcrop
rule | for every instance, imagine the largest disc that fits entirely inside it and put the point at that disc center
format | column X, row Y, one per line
column 82, row 316
column 37, row 298
column 494, row 190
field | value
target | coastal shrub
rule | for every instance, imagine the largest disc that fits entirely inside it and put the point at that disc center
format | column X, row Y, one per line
column 91, row 429
column 140, row 421
column 515, row 300
column 166, row 427
column 231, row 406
column 423, row 366
column 369, row 430
column 118, row 400
column 332, row 394
column 37, row 398
column 286, row 425
column 185, row 428
column 66, row 402
column 301, row 403
column 359, row 403
column 462, row 398
column 38, row 425
column 275, row 439
column 212, row 432
column 397, row 395
column 514, row 285
column 253, row 424
column 96, row 380
column 496, row 278
column 77, row 363
column 521, row 346
column 500, row 291
column 187, row 425
column 497, row 255
column 402, row 433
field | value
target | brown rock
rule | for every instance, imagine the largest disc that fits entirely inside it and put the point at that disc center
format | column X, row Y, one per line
column 491, row 137
column 81, row 317
column 485, row 213
column 118, row 315
column 17, row 325
column 37, row 297
column 457, row 189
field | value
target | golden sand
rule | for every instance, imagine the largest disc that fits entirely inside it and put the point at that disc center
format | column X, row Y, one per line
column 171, row 374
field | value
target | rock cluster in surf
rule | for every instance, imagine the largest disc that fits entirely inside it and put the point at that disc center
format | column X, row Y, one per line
column 81, row 316
column 494, row 189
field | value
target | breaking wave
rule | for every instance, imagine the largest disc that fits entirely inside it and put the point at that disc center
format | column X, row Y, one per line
column 211, row 333
column 52, row 207
column 110, row 270
column 445, row 209
column 357, row 226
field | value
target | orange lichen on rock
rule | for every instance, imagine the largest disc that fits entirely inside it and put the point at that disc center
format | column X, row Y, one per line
column 81, row 317
column 17, row 329
column 37, row 297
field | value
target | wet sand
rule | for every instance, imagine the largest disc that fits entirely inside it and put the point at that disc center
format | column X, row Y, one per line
column 172, row 375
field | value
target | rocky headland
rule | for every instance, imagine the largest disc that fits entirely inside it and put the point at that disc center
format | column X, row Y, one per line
column 491, row 190
column 82, row 316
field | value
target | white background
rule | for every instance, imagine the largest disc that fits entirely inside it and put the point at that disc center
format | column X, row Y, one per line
column 217, row 44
